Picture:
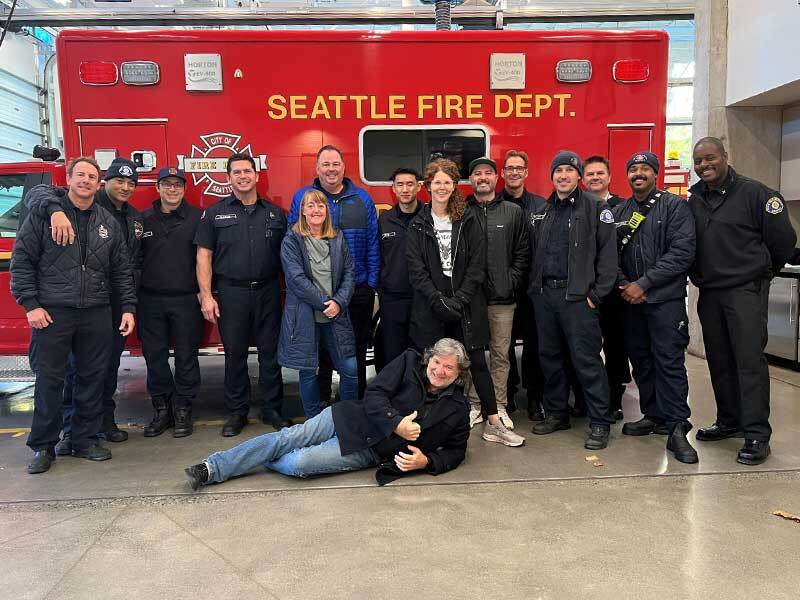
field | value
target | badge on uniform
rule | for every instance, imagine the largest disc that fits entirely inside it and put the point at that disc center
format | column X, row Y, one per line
column 606, row 216
column 137, row 229
column 102, row 232
column 774, row 206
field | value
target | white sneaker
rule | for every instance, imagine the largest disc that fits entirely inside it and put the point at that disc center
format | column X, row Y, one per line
column 475, row 417
column 503, row 414
column 501, row 434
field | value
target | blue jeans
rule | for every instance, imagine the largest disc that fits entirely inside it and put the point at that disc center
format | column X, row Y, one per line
column 307, row 449
column 347, row 368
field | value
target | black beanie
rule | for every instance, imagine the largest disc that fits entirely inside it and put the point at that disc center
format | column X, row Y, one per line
column 647, row 158
column 122, row 167
column 569, row 158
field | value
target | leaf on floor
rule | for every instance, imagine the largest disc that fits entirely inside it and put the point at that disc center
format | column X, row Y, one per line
column 591, row 458
column 787, row 515
column 597, row 463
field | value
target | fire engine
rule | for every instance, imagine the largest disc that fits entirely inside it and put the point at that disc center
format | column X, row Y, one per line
column 191, row 98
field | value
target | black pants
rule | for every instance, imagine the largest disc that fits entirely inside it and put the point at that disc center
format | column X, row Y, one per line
column 395, row 323
column 116, row 343
column 656, row 337
column 616, row 360
column 84, row 332
column 361, row 308
column 734, row 324
column 532, row 379
column 571, row 329
column 176, row 319
column 251, row 314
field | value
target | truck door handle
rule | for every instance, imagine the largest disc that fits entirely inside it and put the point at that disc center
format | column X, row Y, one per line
column 792, row 300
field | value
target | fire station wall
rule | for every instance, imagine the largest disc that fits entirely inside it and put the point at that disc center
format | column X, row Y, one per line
column 763, row 45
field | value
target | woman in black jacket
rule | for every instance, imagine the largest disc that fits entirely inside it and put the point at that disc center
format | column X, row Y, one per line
column 447, row 267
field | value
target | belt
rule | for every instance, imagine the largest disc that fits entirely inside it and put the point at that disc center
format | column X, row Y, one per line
column 244, row 283
column 555, row 283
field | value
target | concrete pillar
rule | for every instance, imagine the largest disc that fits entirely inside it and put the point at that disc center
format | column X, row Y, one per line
column 752, row 135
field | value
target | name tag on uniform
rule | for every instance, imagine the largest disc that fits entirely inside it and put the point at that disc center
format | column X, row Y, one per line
column 147, row 234
column 224, row 217
column 388, row 234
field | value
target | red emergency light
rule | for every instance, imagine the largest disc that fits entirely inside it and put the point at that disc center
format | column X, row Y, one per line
column 99, row 73
column 632, row 70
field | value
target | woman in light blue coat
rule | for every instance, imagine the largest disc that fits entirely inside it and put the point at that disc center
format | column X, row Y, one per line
column 319, row 284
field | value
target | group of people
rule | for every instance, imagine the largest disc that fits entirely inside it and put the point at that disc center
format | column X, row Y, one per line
column 579, row 272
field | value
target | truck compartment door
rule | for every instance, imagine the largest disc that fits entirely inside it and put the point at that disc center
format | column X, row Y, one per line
column 624, row 140
column 144, row 144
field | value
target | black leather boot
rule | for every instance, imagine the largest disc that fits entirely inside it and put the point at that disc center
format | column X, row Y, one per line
column 162, row 420
column 679, row 445
column 183, row 421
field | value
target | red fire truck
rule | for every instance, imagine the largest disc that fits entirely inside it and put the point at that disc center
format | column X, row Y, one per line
column 191, row 98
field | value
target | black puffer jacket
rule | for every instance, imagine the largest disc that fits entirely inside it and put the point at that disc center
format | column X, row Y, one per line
column 45, row 274
column 428, row 280
column 46, row 202
column 507, row 248
column 661, row 250
column 593, row 261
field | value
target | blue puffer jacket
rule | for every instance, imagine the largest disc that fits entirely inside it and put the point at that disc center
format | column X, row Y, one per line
column 297, row 348
column 354, row 215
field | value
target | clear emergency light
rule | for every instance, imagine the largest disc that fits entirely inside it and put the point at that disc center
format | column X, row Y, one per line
column 99, row 73
column 632, row 70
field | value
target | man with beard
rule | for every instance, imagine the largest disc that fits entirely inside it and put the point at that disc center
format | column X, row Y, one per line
column 120, row 184
column 413, row 419
column 744, row 237
column 507, row 249
column 395, row 293
column 597, row 179
column 657, row 243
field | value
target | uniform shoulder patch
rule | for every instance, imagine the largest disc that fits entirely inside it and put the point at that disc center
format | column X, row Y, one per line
column 774, row 206
column 606, row 216
column 138, row 228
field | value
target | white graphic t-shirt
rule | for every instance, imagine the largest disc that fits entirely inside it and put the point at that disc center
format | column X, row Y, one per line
column 443, row 227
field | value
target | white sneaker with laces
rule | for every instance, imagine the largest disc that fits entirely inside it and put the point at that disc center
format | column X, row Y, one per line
column 475, row 417
column 501, row 434
column 503, row 414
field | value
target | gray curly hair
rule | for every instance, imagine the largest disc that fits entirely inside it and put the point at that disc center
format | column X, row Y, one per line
column 449, row 347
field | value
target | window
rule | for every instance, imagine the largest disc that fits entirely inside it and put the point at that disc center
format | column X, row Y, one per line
column 11, row 191
column 385, row 149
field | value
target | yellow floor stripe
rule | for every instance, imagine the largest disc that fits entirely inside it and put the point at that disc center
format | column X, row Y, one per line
column 19, row 430
column 19, row 434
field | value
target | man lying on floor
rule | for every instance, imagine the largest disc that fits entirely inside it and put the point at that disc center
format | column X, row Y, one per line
column 413, row 417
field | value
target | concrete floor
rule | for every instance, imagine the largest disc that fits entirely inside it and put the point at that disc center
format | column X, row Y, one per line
column 532, row 522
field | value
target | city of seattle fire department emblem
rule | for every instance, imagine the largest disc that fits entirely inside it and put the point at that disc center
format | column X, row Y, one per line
column 207, row 164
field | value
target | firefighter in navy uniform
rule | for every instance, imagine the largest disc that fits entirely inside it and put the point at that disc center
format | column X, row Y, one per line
column 656, row 232
column 573, row 267
column 121, row 178
column 66, row 292
column 238, row 245
column 395, row 293
column 744, row 237
column 169, row 308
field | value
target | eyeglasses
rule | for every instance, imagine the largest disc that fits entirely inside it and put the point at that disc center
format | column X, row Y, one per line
column 514, row 169
column 171, row 186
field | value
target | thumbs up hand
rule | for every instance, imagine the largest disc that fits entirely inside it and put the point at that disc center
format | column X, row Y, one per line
column 407, row 428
